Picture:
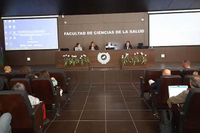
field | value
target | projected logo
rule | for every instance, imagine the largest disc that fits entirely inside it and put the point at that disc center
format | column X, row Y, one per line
column 103, row 58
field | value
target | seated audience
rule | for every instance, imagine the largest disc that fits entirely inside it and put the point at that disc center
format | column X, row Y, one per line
column 5, row 121
column 180, row 99
column 186, row 64
column 31, row 76
column 7, row 69
column 25, row 69
column 93, row 46
column 128, row 45
column 154, row 84
column 45, row 74
column 33, row 100
column 78, row 47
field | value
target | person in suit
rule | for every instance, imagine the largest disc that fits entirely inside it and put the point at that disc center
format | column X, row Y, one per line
column 78, row 47
column 128, row 45
column 93, row 46
column 154, row 84
column 109, row 46
column 180, row 99
column 7, row 69
column 5, row 121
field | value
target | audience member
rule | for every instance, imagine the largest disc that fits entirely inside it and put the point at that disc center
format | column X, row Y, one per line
column 25, row 69
column 5, row 121
column 45, row 74
column 180, row 99
column 78, row 47
column 93, row 46
column 128, row 45
column 7, row 69
column 33, row 100
column 154, row 84
column 186, row 64
column 31, row 76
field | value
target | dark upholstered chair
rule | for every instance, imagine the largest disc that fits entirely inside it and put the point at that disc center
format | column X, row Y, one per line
column 20, row 75
column 43, row 89
column 188, row 71
column 9, row 76
column 23, row 115
column 24, row 81
column 186, row 79
column 63, row 82
column 187, row 119
column 161, row 95
column 149, row 74
column 4, row 85
column 175, row 72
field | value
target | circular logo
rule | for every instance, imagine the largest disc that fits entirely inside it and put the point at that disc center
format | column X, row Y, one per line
column 103, row 58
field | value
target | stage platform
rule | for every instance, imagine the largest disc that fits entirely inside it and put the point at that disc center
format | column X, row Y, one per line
column 107, row 75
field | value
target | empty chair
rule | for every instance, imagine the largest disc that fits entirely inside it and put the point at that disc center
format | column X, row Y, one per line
column 23, row 115
column 189, row 116
column 186, row 79
column 9, row 76
column 43, row 89
column 175, row 72
column 149, row 74
column 188, row 71
column 24, row 81
column 20, row 75
column 160, row 96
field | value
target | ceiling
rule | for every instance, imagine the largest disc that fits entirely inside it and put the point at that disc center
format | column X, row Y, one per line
column 72, row 7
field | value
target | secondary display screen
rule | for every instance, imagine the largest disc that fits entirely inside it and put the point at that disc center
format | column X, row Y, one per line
column 31, row 34
column 174, row 29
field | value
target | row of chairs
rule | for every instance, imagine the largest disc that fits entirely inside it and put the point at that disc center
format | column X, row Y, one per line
column 23, row 115
column 63, row 82
column 157, row 73
column 189, row 113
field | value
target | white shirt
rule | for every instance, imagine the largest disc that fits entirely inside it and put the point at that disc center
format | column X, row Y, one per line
column 33, row 100
column 78, row 49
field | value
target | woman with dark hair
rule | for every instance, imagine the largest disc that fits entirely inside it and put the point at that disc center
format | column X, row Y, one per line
column 128, row 45
column 31, row 76
column 45, row 74
column 78, row 47
column 93, row 46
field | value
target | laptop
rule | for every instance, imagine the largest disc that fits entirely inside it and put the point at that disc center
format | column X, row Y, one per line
column 175, row 90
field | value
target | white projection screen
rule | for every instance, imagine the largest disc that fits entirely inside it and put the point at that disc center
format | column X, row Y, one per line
column 174, row 29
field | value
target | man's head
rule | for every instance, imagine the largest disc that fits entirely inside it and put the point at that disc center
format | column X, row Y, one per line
column 195, row 82
column 7, row 69
column 186, row 64
column 166, row 72
column 18, row 87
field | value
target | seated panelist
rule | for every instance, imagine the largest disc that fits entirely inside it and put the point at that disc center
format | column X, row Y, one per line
column 128, row 45
column 78, row 47
column 93, row 46
column 109, row 46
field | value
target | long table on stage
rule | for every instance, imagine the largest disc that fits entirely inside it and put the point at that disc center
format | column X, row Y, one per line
column 115, row 57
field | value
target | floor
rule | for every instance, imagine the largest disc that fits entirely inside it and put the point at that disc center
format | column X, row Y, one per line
column 103, row 108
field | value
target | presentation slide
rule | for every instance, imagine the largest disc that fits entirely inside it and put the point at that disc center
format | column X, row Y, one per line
column 31, row 34
column 174, row 29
